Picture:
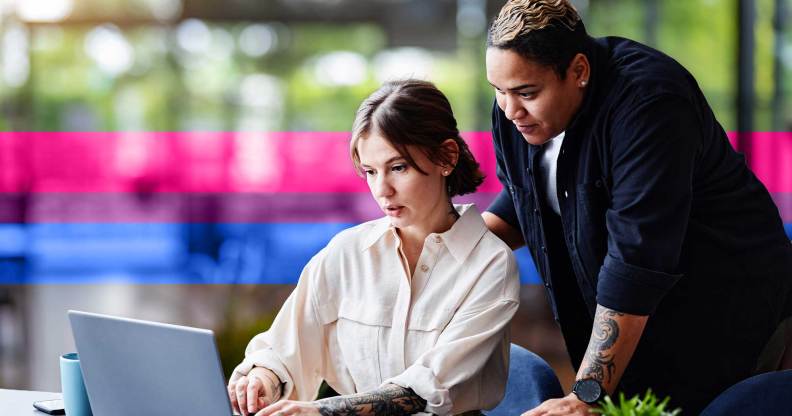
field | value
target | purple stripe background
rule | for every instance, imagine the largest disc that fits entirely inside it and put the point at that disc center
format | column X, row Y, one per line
column 70, row 207
column 98, row 207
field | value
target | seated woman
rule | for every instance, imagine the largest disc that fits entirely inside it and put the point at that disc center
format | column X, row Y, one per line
column 401, row 315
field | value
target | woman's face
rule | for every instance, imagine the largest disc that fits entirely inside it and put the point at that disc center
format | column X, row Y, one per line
column 410, row 198
column 533, row 96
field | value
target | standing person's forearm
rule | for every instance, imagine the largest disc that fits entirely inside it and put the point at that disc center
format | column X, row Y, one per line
column 510, row 235
column 614, row 338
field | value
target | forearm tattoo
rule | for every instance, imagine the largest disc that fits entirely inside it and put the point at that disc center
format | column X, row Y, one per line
column 601, row 362
column 389, row 400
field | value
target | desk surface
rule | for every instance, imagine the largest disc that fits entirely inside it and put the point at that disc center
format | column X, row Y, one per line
column 20, row 402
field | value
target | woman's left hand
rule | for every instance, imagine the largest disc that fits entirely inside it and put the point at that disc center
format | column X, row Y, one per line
column 290, row 407
column 565, row 406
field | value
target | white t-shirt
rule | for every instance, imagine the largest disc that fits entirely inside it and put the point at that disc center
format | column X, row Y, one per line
column 357, row 320
column 548, row 163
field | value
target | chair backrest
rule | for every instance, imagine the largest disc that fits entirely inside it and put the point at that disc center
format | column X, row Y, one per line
column 764, row 394
column 531, row 382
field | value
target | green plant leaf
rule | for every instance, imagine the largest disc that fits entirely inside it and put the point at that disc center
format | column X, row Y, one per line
column 635, row 406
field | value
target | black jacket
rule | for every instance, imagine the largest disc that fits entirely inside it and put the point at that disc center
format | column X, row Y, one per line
column 659, row 216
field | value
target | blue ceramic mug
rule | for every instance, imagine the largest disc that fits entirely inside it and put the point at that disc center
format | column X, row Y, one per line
column 75, row 398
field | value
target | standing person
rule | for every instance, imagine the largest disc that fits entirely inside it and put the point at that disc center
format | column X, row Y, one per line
column 405, row 314
column 664, row 258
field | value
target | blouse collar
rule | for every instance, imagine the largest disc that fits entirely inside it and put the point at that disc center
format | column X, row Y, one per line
column 460, row 239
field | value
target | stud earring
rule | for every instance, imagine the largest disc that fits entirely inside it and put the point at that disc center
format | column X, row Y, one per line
column 583, row 83
column 445, row 173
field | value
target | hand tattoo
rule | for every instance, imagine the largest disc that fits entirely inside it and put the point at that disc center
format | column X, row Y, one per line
column 601, row 362
column 389, row 400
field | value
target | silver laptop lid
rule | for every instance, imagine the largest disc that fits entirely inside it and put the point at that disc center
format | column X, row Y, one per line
column 134, row 367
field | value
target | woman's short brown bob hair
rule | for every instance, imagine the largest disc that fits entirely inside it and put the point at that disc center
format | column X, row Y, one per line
column 415, row 113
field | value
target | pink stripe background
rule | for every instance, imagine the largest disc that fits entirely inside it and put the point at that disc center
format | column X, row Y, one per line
column 258, row 162
column 769, row 154
column 206, row 162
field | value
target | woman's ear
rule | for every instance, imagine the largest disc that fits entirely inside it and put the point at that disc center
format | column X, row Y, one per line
column 450, row 149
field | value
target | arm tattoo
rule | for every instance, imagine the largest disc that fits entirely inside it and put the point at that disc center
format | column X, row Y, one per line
column 389, row 400
column 601, row 362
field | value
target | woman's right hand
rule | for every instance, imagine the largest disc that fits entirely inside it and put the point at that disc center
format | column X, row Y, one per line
column 255, row 391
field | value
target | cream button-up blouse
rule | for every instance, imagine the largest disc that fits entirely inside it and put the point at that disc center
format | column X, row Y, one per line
column 358, row 320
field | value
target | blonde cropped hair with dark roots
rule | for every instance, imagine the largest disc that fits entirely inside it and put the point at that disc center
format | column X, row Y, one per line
column 549, row 32
column 519, row 17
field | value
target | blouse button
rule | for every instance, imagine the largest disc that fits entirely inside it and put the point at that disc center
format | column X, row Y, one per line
column 424, row 268
column 438, row 239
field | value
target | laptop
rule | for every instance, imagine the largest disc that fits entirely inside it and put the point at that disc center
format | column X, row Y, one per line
column 133, row 367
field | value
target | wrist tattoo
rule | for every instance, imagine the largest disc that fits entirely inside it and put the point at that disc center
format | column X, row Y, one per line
column 601, row 362
column 277, row 392
column 389, row 400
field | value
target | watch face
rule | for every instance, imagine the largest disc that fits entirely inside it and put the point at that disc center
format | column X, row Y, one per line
column 588, row 390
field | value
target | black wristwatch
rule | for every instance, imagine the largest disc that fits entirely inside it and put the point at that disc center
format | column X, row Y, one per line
column 589, row 390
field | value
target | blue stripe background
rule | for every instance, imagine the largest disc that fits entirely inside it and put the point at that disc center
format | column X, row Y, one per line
column 155, row 253
column 172, row 253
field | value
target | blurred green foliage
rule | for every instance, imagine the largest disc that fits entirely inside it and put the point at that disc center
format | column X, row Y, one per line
column 235, row 334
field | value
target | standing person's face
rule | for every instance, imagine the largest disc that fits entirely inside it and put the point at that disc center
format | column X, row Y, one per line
column 533, row 96
column 407, row 196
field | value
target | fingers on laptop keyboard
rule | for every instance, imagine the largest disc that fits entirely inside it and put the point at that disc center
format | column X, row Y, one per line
column 255, row 388
column 232, row 397
column 241, row 393
column 238, row 393
column 248, row 395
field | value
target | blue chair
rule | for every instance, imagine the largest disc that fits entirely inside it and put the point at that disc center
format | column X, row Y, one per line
column 764, row 394
column 531, row 382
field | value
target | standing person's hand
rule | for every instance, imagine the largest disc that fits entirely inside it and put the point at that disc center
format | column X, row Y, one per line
column 565, row 406
column 255, row 391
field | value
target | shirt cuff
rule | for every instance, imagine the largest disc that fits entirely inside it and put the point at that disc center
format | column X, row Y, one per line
column 424, row 383
column 632, row 289
column 264, row 358
column 503, row 207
